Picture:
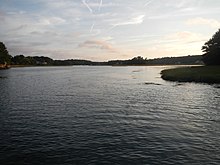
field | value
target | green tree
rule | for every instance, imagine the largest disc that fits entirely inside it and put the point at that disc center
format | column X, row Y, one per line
column 5, row 58
column 211, row 50
column 21, row 60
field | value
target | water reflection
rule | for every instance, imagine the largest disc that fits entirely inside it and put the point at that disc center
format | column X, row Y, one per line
column 102, row 115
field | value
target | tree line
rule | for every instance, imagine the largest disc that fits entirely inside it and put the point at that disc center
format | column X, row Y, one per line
column 46, row 61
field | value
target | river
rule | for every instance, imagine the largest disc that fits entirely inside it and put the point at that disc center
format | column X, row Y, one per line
column 106, row 115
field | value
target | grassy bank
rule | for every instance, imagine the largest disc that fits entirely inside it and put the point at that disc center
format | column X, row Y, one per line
column 202, row 74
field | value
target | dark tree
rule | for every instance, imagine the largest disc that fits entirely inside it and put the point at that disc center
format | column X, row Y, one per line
column 137, row 61
column 22, row 60
column 36, row 60
column 5, row 58
column 211, row 50
column 43, row 60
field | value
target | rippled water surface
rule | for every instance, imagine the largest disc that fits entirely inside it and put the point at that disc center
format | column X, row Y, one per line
column 106, row 115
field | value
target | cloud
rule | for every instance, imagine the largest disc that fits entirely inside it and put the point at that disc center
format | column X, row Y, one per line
column 203, row 21
column 98, row 44
column 185, row 37
column 2, row 16
column 82, row 28
column 180, row 43
column 51, row 21
column 136, row 20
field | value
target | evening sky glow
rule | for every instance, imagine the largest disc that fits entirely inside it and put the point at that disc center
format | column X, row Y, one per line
column 101, row 30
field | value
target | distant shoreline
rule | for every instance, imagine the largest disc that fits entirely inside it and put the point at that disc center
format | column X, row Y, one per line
column 21, row 66
column 21, row 60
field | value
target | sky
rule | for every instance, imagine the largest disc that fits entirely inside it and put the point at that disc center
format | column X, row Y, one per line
column 102, row 30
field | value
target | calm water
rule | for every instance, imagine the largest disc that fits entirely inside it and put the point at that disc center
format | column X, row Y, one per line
column 106, row 115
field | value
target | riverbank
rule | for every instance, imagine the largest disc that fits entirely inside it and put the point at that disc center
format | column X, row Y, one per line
column 200, row 74
column 4, row 66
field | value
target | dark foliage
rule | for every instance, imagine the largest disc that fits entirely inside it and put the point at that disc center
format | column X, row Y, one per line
column 43, row 60
column 211, row 50
column 22, row 60
column 5, row 58
column 184, row 60
column 134, row 61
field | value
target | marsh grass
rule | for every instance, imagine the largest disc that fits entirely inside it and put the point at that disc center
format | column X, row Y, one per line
column 202, row 74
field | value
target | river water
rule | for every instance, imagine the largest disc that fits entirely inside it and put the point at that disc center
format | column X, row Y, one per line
column 106, row 115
